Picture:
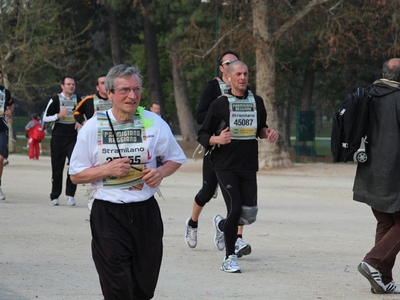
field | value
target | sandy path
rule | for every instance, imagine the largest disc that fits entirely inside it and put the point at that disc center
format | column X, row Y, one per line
column 307, row 241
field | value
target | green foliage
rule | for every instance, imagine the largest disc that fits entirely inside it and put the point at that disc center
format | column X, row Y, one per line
column 41, row 43
column 345, row 42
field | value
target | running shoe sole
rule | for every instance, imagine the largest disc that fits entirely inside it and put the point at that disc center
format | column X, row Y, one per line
column 364, row 270
column 230, row 271
column 244, row 251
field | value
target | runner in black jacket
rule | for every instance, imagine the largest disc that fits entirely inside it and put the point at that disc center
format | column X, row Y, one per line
column 92, row 103
column 212, row 91
column 229, row 133
column 63, row 137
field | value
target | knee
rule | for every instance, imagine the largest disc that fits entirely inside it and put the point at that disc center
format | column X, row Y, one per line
column 248, row 215
column 199, row 201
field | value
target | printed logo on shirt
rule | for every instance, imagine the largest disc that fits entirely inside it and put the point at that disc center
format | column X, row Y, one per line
column 123, row 136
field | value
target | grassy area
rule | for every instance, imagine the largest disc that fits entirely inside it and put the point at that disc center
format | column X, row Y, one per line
column 21, row 142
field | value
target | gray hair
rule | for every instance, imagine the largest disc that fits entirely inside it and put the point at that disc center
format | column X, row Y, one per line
column 391, row 70
column 120, row 71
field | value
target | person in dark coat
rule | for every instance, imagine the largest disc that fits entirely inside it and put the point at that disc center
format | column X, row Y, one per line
column 377, row 180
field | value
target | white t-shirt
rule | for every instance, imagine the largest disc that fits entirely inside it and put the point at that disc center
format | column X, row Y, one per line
column 160, row 143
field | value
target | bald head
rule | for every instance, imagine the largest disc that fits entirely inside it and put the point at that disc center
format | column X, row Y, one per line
column 234, row 65
column 391, row 69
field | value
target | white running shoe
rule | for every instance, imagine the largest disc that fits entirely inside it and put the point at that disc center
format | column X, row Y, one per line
column 242, row 248
column 391, row 288
column 374, row 277
column 2, row 196
column 54, row 202
column 191, row 235
column 219, row 237
column 230, row 264
column 71, row 200
column 5, row 162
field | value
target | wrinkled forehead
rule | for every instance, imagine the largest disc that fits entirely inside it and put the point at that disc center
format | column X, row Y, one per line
column 128, row 81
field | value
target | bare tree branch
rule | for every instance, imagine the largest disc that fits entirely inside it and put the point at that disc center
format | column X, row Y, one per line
column 296, row 18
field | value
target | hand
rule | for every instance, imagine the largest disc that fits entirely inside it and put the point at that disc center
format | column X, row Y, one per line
column 77, row 126
column 152, row 177
column 272, row 135
column 8, row 112
column 225, row 137
column 119, row 167
column 63, row 112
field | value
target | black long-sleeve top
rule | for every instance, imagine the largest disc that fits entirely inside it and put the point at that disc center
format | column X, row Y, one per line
column 85, row 108
column 239, row 154
column 210, row 92
column 7, row 103
column 50, row 115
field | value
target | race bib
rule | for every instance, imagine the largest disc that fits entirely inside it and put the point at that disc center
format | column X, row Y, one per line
column 243, row 117
column 100, row 104
column 70, row 104
column 128, row 140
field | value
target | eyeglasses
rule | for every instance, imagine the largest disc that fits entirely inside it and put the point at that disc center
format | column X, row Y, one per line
column 227, row 62
column 125, row 91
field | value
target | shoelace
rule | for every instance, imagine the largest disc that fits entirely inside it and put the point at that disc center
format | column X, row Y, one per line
column 233, row 261
column 191, row 232
column 241, row 242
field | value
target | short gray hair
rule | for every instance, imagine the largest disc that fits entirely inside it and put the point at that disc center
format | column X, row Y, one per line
column 120, row 71
column 391, row 70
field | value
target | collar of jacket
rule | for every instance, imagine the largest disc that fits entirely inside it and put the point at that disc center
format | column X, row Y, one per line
column 391, row 83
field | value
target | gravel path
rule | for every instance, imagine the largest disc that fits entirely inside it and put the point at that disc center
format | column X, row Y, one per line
column 307, row 242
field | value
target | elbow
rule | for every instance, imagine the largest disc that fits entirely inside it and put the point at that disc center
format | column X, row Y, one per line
column 74, row 179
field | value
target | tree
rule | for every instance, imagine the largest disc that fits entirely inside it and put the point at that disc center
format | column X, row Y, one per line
column 185, row 116
column 152, row 58
column 266, row 39
column 177, row 20
column 36, row 45
column 114, row 37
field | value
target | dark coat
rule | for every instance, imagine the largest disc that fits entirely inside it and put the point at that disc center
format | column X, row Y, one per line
column 377, row 181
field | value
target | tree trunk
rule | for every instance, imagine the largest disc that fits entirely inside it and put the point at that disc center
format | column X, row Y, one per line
column 114, row 37
column 286, row 124
column 307, row 90
column 183, row 108
column 152, row 64
column 270, row 154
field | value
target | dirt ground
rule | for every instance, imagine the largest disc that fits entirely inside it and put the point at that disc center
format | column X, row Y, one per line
column 307, row 241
